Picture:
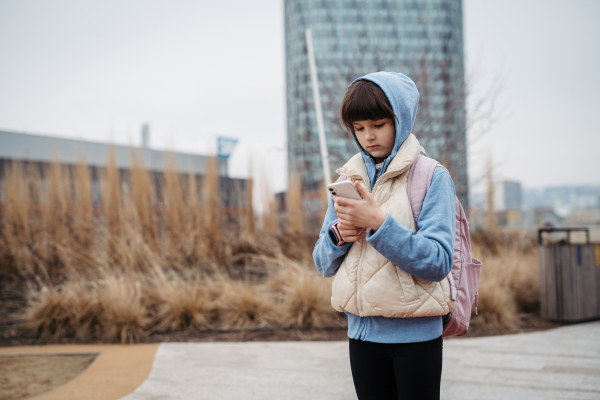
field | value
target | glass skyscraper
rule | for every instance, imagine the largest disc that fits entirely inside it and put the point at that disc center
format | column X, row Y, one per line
column 420, row 38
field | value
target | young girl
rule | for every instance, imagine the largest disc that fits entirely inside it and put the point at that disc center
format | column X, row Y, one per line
column 390, row 281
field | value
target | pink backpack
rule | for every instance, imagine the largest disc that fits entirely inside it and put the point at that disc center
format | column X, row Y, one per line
column 465, row 269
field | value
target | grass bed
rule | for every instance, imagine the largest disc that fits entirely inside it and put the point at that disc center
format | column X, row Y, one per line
column 141, row 265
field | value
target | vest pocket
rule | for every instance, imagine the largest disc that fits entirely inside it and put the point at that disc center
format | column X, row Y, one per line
column 408, row 286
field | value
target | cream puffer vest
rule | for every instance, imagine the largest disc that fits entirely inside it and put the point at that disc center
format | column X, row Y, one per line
column 367, row 284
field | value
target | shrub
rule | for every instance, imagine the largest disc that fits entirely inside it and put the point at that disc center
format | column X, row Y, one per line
column 245, row 306
column 123, row 316
column 305, row 298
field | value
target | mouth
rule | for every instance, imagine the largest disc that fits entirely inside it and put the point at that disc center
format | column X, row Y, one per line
column 373, row 147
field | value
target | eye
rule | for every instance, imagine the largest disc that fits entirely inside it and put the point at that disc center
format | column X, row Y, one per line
column 379, row 126
column 358, row 129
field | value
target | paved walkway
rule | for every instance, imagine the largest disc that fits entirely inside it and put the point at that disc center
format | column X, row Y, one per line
column 563, row 363
column 116, row 371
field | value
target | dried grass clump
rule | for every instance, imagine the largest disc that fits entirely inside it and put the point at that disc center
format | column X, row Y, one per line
column 47, row 315
column 497, row 307
column 70, row 309
column 110, row 310
column 305, row 298
column 526, row 288
column 509, row 282
column 180, row 306
column 245, row 306
column 124, row 316
column 211, row 211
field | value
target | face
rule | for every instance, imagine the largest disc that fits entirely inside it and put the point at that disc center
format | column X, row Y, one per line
column 376, row 137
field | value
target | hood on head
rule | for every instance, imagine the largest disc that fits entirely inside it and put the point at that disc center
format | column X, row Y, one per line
column 403, row 96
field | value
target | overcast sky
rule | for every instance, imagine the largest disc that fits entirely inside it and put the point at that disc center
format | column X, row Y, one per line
column 195, row 70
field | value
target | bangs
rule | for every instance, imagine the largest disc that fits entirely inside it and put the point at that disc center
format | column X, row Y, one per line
column 365, row 101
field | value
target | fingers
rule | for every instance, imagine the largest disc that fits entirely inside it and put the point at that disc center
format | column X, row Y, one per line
column 351, row 233
column 344, row 225
column 353, row 238
column 344, row 206
column 364, row 193
column 343, row 201
column 340, row 208
column 346, row 222
column 361, row 189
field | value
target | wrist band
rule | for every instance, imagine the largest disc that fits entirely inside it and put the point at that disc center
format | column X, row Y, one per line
column 337, row 236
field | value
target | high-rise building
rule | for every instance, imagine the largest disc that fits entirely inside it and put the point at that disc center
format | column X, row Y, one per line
column 508, row 196
column 420, row 38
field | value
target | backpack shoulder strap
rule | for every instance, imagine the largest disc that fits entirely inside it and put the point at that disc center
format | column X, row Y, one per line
column 419, row 180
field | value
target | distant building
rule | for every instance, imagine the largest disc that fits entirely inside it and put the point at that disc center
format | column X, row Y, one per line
column 524, row 219
column 421, row 38
column 47, row 149
column 569, row 197
column 41, row 151
column 507, row 196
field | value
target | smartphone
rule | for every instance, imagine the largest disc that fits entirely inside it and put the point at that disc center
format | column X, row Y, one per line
column 344, row 189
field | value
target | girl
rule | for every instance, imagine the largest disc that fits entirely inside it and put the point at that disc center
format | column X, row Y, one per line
column 390, row 281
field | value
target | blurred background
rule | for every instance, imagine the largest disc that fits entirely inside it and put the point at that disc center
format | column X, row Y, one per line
column 160, row 167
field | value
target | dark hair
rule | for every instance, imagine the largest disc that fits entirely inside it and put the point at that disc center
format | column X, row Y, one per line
column 365, row 100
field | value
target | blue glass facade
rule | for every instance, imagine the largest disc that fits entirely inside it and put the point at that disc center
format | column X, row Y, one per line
column 422, row 39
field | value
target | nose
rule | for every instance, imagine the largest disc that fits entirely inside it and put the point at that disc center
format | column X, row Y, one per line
column 369, row 134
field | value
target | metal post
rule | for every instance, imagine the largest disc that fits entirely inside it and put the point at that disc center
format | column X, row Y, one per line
column 318, row 107
column 145, row 136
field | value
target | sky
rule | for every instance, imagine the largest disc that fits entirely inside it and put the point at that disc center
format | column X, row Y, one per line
column 547, row 54
column 196, row 70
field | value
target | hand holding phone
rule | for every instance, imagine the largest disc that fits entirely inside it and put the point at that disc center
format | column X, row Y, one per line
column 355, row 206
column 344, row 189
column 347, row 190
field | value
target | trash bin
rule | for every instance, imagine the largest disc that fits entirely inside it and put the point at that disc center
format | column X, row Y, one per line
column 569, row 275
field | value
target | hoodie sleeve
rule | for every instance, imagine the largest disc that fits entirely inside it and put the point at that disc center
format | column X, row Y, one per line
column 327, row 256
column 429, row 253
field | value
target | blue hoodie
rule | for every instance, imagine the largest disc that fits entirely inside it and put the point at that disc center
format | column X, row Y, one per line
column 427, row 254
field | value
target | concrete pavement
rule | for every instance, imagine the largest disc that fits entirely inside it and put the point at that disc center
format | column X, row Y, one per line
column 563, row 363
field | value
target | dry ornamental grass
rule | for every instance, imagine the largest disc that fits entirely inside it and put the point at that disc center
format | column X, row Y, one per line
column 509, row 282
column 161, row 254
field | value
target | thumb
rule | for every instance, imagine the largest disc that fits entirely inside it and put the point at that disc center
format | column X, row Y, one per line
column 361, row 189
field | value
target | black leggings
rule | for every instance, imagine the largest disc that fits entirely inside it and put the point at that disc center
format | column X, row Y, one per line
column 398, row 370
